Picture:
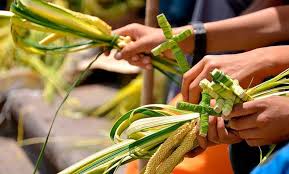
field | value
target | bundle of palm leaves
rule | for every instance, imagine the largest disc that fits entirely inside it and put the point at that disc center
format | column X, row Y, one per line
column 49, row 67
column 57, row 23
column 141, row 132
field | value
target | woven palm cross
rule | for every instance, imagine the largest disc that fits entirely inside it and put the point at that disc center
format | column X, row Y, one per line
column 172, row 43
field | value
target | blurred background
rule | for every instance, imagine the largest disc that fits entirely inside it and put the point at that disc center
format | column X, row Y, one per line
column 31, row 87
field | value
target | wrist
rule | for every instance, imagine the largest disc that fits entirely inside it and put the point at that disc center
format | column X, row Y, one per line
column 276, row 59
column 196, row 44
column 186, row 45
column 263, row 61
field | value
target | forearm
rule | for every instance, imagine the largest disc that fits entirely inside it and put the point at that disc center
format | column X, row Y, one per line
column 246, row 32
column 249, row 31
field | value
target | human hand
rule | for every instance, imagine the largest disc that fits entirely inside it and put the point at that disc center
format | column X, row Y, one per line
column 253, row 66
column 262, row 122
column 144, row 40
column 217, row 134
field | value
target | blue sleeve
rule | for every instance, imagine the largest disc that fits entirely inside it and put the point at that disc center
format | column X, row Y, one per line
column 278, row 164
column 177, row 11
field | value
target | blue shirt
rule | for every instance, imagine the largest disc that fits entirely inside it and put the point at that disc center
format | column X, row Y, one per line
column 278, row 164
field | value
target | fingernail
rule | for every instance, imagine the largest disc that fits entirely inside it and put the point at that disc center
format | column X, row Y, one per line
column 135, row 58
column 148, row 67
column 118, row 56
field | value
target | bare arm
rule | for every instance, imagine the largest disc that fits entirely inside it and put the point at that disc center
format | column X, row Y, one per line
column 246, row 32
column 249, row 31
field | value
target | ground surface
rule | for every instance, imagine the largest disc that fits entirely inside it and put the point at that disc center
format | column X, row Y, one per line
column 71, row 139
column 13, row 159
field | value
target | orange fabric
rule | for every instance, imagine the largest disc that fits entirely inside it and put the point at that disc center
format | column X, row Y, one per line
column 215, row 160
